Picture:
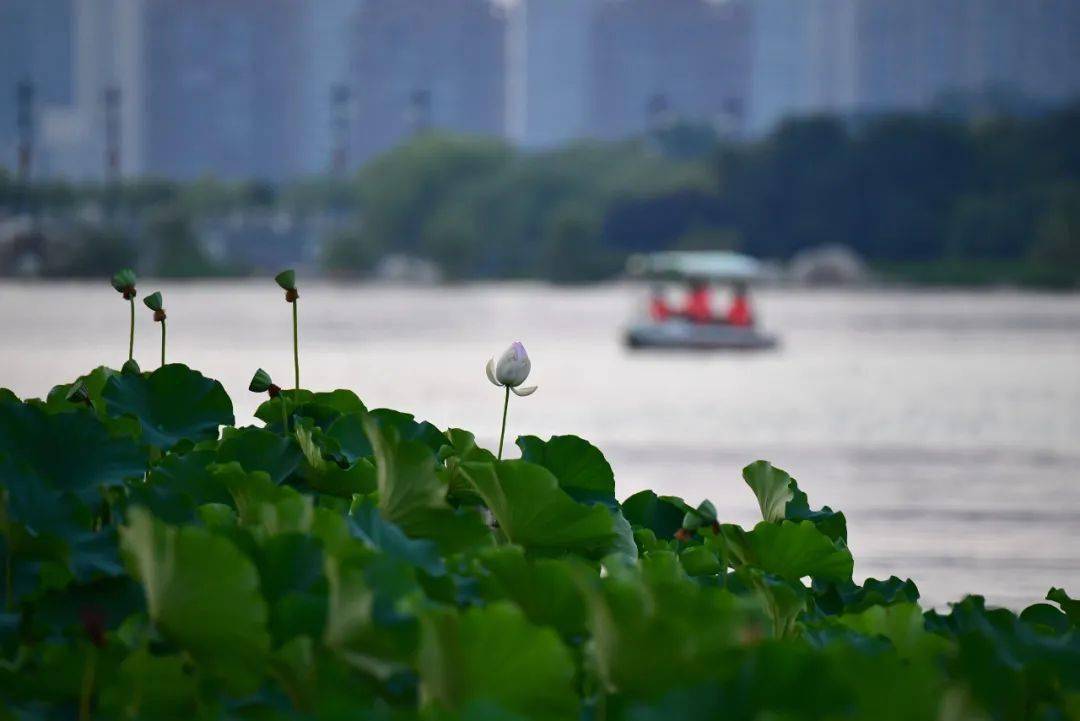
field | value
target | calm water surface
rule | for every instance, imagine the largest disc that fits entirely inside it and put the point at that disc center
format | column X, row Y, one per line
column 946, row 425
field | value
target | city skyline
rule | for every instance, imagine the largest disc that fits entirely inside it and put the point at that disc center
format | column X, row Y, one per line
column 188, row 89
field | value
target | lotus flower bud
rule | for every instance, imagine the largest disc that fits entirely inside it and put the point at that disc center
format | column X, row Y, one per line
column 130, row 367
column 124, row 283
column 512, row 369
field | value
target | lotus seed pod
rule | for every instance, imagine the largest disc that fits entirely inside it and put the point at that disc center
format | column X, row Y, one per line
column 131, row 367
column 153, row 301
column 286, row 279
column 513, row 366
column 124, row 283
column 260, row 382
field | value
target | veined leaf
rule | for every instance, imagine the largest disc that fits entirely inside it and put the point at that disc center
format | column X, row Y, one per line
column 172, row 404
column 202, row 593
column 495, row 655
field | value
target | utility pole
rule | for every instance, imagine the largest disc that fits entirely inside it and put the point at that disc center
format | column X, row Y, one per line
column 24, row 122
column 340, row 96
column 419, row 111
column 657, row 112
column 112, row 148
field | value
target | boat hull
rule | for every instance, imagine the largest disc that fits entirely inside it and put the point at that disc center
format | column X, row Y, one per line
column 680, row 335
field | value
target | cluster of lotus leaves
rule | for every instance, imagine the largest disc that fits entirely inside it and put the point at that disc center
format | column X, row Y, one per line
column 336, row 561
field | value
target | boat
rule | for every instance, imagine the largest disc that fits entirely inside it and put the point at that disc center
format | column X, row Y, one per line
column 695, row 269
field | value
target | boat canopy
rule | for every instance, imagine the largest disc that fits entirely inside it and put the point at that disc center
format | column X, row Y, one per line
column 714, row 265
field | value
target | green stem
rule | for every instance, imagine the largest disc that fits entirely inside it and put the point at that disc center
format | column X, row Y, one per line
column 502, row 433
column 9, row 592
column 284, row 415
column 131, row 334
column 86, row 693
column 162, row 342
column 295, row 345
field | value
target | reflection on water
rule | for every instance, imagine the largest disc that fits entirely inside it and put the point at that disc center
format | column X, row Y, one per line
column 946, row 425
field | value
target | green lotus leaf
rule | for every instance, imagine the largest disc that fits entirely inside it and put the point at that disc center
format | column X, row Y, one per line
column 782, row 600
column 1070, row 606
column 92, row 384
column 659, row 515
column 153, row 301
column 1010, row 665
column 202, row 593
column 348, row 431
column 66, row 451
column 172, row 404
column 580, row 467
column 151, row 686
column 789, row 550
column 177, row 485
column 848, row 597
column 323, row 408
column 327, row 476
column 495, row 655
column 286, row 279
column 534, row 512
column 780, row 498
column 701, row 561
column 1051, row 619
column 543, row 588
column 649, row 628
column 368, row 525
column 292, row 582
column 257, row 449
column 412, row 496
column 367, row 619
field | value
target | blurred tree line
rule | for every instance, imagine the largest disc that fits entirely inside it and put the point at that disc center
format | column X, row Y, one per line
column 923, row 197
column 927, row 198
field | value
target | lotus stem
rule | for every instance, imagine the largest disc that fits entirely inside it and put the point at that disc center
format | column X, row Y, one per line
column 162, row 342
column 284, row 416
column 86, row 692
column 131, row 333
column 295, row 345
column 502, row 433
column 9, row 591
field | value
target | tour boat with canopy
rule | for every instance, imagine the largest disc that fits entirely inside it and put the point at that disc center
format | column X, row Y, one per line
column 693, row 324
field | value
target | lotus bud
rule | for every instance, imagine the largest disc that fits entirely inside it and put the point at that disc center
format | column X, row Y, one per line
column 130, row 367
column 124, row 283
column 511, row 370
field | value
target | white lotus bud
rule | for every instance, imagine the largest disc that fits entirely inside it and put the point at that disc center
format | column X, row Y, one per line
column 512, row 368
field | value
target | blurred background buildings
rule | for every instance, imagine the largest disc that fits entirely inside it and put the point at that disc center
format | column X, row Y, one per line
column 276, row 89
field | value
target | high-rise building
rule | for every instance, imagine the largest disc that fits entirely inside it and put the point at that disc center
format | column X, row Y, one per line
column 221, row 88
column 548, row 70
column 417, row 65
column 910, row 53
column 327, row 48
column 36, row 45
column 681, row 58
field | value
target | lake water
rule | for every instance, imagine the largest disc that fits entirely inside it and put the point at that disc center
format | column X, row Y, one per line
column 945, row 424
